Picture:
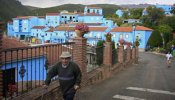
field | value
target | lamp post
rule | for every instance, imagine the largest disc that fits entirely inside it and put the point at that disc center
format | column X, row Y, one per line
column 133, row 29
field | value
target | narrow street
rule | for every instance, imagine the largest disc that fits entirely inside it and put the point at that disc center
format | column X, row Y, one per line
column 151, row 79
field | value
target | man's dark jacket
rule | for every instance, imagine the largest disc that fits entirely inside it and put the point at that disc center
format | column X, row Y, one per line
column 68, row 77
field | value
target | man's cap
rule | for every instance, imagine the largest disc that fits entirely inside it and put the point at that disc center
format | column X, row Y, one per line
column 65, row 54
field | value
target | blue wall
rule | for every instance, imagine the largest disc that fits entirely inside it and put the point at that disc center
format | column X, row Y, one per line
column 166, row 8
column 35, row 69
column 119, row 13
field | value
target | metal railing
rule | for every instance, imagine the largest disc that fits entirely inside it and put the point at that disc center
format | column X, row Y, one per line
column 25, row 68
column 94, row 57
column 114, row 56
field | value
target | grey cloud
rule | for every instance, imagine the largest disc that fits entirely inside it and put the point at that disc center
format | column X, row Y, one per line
column 49, row 3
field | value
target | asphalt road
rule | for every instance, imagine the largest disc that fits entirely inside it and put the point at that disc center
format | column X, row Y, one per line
column 151, row 79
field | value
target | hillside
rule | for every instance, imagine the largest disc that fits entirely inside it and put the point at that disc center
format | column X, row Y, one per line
column 107, row 8
column 12, row 8
column 130, row 6
column 31, row 8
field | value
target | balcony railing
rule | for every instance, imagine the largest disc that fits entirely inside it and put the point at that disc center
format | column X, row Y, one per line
column 25, row 68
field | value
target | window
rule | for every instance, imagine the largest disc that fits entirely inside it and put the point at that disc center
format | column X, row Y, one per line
column 88, row 11
column 120, row 36
column 90, row 35
column 98, row 11
column 126, row 35
column 98, row 35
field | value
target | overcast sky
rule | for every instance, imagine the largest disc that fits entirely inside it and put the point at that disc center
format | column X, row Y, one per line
column 50, row 3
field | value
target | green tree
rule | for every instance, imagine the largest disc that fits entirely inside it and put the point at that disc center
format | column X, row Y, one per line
column 155, row 39
column 155, row 15
column 99, row 52
column 125, row 15
column 173, row 10
column 169, row 20
column 164, row 30
column 136, row 13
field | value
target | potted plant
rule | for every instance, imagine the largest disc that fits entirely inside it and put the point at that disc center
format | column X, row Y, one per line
column 121, row 41
column 108, row 37
column 12, row 88
column 128, row 44
column 81, row 29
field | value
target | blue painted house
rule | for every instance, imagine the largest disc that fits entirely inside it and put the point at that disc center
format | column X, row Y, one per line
column 166, row 8
column 10, row 29
column 41, row 21
column 22, row 26
column 144, row 12
column 120, row 12
column 39, row 33
column 59, row 27
column 22, row 66
column 52, row 19
column 93, row 9
column 96, row 34
column 129, row 34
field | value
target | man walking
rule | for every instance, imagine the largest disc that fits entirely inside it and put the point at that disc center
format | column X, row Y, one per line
column 69, row 75
column 168, row 60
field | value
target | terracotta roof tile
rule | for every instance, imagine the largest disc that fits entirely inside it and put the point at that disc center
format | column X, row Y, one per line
column 64, row 28
column 9, row 45
column 51, row 29
column 23, row 17
column 52, row 14
column 129, row 29
column 89, row 24
column 97, row 28
column 38, row 27
column 122, row 29
column 41, row 17
column 138, row 28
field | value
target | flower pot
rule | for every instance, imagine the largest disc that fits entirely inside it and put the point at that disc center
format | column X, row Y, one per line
column 79, row 33
column 108, row 39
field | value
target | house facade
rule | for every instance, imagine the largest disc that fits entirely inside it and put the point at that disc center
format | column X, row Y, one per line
column 59, row 27
column 21, row 65
column 130, row 35
column 166, row 8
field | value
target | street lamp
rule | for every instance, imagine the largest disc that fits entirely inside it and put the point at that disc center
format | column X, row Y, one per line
column 133, row 29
